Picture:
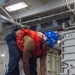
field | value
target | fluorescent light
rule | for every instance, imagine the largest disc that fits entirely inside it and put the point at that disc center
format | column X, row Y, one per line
column 16, row 6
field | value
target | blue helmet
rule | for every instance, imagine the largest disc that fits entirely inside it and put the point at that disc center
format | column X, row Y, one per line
column 52, row 38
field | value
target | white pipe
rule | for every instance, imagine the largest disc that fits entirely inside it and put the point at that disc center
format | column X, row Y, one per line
column 15, row 23
column 9, row 26
column 6, row 13
column 69, row 6
column 46, row 17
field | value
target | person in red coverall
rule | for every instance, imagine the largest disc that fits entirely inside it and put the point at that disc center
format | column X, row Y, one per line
column 32, row 45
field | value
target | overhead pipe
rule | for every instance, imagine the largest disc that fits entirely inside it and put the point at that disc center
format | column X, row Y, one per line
column 69, row 6
column 46, row 17
column 6, row 13
column 11, row 21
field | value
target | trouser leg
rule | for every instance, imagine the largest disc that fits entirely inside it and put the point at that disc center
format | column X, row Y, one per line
column 14, row 56
column 33, row 66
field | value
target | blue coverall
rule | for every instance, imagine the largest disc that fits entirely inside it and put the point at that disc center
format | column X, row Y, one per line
column 15, row 54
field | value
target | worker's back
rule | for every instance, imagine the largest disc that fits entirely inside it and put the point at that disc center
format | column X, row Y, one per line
column 36, row 51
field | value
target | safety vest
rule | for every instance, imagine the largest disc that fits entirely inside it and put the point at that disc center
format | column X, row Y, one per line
column 37, row 38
